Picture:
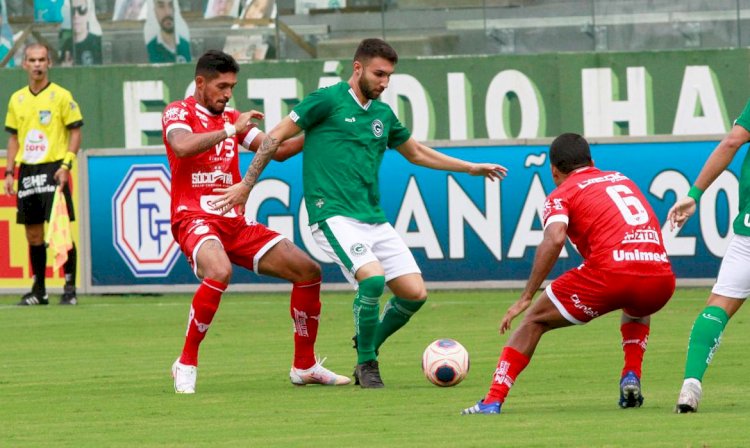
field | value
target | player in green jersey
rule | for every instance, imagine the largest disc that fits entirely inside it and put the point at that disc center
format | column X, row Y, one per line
column 733, row 283
column 346, row 134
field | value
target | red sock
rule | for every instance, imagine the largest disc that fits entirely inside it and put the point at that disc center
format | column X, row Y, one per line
column 205, row 303
column 634, row 341
column 511, row 364
column 305, row 311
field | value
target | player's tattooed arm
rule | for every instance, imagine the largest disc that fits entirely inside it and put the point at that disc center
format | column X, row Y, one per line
column 265, row 153
column 185, row 143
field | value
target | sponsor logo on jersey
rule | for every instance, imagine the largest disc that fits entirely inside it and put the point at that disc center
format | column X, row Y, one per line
column 358, row 249
column 45, row 117
column 612, row 177
column 293, row 115
column 377, row 128
column 747, row 220
column 642, row 236
column 174, row 114
column 587, row 310
column 350, row 120
column 215, row 177
column 637, row 255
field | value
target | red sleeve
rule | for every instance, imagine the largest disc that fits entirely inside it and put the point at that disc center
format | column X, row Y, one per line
column 556, row 208
column 176, row 116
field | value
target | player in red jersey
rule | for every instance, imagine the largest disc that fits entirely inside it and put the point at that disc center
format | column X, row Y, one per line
column 625, row 266
column 202, row 137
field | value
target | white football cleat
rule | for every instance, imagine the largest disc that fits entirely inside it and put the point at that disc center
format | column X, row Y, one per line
column 184, row 377
column 690, row 395
column 317, row 374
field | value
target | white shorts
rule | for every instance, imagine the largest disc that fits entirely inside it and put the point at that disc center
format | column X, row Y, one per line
column 734, row 274
column 352, row 244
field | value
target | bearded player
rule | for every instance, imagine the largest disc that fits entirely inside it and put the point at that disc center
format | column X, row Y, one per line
column 202, row 137
column 625, row 267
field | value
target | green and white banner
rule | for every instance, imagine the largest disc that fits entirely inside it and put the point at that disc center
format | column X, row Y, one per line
column 446, row 98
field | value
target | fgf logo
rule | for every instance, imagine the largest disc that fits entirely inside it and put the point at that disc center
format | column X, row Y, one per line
column 141, row 224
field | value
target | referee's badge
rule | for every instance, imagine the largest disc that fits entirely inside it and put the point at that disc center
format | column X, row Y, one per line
column 45, row 116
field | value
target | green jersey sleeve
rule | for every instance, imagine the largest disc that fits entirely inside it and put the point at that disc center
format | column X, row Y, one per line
column 744, row 119
column 398, row 133
column 315, row 108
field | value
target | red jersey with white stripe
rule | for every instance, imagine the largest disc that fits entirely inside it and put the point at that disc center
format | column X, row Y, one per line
column 195, row 178
column 610, row 222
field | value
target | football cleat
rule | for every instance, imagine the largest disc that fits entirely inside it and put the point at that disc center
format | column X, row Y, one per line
column 630, row 391
column 69, row 297
column 483, row 408
column 33, row 298
column 690, row 395
column 184, row 377
column 317, row 374
column 367, row 375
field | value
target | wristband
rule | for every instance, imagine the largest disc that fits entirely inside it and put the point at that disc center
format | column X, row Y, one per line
column 69, row 158
column 9, row 173
column 229, row 129
column 695, row 193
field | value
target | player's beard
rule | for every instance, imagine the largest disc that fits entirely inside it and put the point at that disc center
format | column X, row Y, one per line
column 167, row 24
column 214, row 109
column 366, row 90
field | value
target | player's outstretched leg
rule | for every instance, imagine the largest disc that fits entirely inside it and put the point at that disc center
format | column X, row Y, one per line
column 305, row 311
column 396, row 314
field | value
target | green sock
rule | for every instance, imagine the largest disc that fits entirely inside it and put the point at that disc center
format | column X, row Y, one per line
column 366, row 308
column 705, row 338
column 396, row 314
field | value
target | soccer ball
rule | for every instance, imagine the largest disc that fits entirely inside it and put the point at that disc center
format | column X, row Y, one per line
column 445, row 362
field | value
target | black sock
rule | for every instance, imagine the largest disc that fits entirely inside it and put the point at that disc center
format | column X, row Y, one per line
column 38, row 255
column 69, row 268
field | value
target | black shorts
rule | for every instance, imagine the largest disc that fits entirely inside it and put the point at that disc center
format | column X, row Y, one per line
column 36, row 191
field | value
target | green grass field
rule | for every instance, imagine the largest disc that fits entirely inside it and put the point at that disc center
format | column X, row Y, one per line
column 98, row 375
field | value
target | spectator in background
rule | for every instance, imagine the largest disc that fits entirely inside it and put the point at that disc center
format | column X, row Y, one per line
column 82, row 42
column 6, row 35
column 130, row 10
column 222, row 8
column 166, row 33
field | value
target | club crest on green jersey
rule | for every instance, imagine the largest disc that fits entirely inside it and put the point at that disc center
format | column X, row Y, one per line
column 377, row 128
column 358, row 249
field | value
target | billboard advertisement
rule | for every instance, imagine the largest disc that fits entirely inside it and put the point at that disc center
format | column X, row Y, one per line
column 460, row 228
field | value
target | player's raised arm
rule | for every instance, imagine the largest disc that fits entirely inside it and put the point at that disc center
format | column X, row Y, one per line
column 237, row 194
column 185, row 143
column 423, row 155
column 717, row 162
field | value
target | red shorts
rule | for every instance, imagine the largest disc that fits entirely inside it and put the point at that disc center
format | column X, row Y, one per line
column 244, row 242
column 583, row 294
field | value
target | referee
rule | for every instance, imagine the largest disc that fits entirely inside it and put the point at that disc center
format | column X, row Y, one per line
column 44, row 123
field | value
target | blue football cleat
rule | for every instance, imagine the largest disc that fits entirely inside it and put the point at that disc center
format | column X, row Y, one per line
column 482, row 408
column 630, row 391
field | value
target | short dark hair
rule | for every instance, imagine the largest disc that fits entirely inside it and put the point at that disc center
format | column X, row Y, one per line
column 214, row 62
column 568, row 152
column 374, row 48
